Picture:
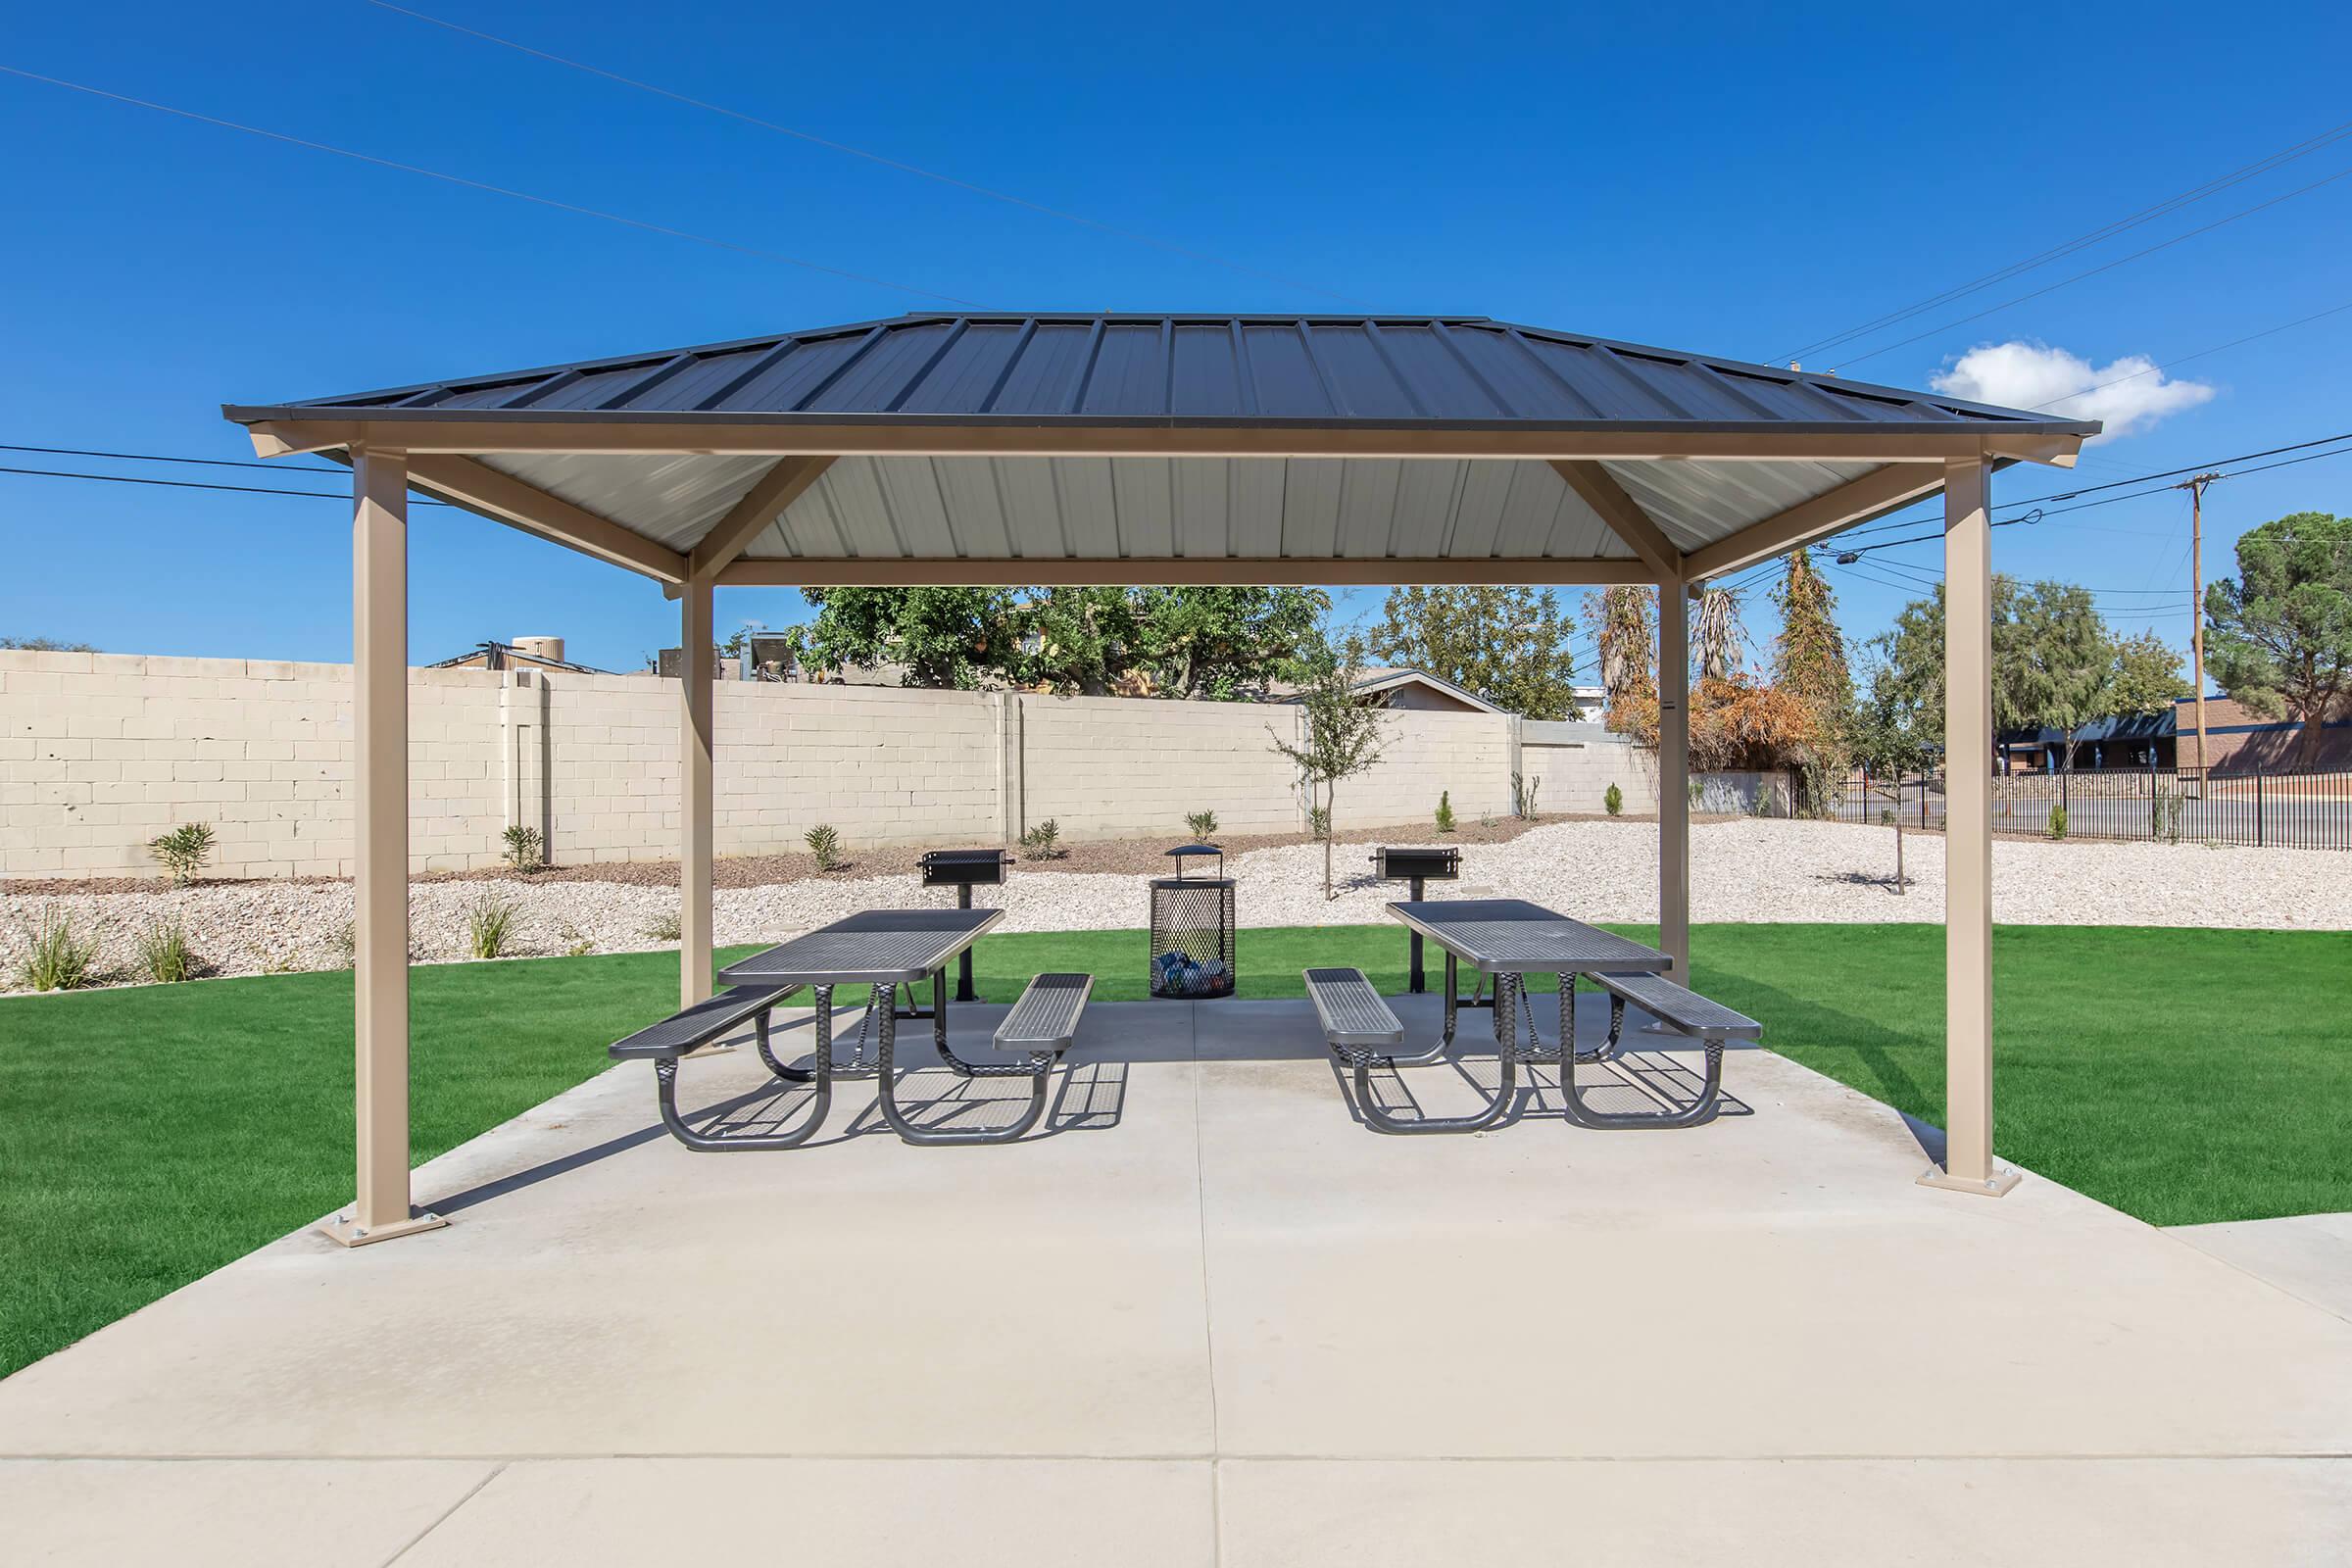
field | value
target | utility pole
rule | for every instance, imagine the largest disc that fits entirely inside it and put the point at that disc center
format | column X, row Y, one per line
column 2195, row 486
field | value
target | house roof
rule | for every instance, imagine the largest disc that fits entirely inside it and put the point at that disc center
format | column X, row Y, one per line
column 1169, row 448
column 1384, row 680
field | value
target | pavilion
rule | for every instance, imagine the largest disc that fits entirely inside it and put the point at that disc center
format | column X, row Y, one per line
column 1156, row 449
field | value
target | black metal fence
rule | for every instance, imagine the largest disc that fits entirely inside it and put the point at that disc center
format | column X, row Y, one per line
column 2148, row 806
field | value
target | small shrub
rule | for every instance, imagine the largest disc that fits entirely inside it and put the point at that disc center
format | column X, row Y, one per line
column 490, row 923
column 525, row 850
column 666, row 927
column 1203, row 823
column 1445, row 811
column 1042, row 842
column 1761, row 805
column 1318, row 821
column 2057, row 828
column 1886, row 816
column 347, row 943
column 1612, row 801
column 1486, row 819
column 183, row 852
column 575, row 946
column 165, row 955
column 59, row 959
column 825, row 844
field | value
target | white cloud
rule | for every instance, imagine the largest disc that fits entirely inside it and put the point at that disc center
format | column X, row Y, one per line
column 2129, row 394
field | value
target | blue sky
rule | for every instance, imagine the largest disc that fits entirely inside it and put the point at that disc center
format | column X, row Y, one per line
column 1719, row 179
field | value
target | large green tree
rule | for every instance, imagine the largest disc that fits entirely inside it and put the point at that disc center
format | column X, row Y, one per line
column 2056, row 664
column 946, row 637
column 2147, row 676
column 1193, row 642
column 2057, row 660
column 2278, row 635
column 1507, row 645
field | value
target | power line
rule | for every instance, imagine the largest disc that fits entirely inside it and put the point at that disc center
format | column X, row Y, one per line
column 2104, row 266
column 869, row 155
column 1887, row 524
column 2152, row 370
column 494, row 190
column 2171, row 204
column 195, row 484
column 151, row 456
column 2038, row 515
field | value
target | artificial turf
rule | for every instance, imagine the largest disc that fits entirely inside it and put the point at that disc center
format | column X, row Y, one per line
column 150, row 1135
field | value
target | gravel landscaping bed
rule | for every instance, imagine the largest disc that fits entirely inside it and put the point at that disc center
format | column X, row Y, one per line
column 1741, row 870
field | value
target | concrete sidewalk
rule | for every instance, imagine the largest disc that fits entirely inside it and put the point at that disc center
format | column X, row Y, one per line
column 1207, row 1319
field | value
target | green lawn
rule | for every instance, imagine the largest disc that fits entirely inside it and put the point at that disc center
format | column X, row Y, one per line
column 148, row 1136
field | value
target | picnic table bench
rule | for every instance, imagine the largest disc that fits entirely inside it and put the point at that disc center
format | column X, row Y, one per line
column 1508, row 940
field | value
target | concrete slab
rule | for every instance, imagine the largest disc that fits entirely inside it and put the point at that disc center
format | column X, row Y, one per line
column 1748, row 1514
column 1207, row 1291
column 2307, row 1255
column 287, row 1513
column 843, row 1513
column 1768, row 1285
column 603, row 1290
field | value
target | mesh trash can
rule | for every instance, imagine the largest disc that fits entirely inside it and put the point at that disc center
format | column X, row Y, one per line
column 1192, row 929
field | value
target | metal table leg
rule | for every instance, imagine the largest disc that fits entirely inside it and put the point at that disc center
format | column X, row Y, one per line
column 1040, row 1070
column 1699, row 1111
column 1507, row 1081
column 1436, row 1053
column 665, row 1093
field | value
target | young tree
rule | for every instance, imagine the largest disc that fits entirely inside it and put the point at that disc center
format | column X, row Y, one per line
column 1507, row 645
column 1344, row 734
column 1881, row 735
column 2278, row 635
column 1625, row 630
column 45, row 645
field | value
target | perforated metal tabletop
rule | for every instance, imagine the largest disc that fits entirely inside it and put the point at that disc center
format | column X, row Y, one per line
column 878, row 946
column 1511, row 936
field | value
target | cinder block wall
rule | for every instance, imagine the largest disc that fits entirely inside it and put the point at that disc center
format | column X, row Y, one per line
column 1466, row 756
column 1575, row 763
column 100, row 752
column 1108, row 767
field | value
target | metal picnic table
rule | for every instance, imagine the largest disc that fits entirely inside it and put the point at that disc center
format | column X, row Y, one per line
column 884, row 948
column 1508, row 940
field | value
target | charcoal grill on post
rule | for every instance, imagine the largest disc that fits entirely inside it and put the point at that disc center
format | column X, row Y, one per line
column 1419, row 867
column 963, row 870
column 1192, row 929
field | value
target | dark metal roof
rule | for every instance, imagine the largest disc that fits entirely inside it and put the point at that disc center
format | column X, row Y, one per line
column 1383, row 370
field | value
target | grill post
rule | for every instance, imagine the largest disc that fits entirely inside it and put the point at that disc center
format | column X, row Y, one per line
column 964, row 960
column 1420, row 981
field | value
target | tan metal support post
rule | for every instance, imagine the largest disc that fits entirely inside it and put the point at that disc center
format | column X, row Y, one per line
column 696, row 673
column 379, row 770
column 1674, row 775
column 1968, row 1166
